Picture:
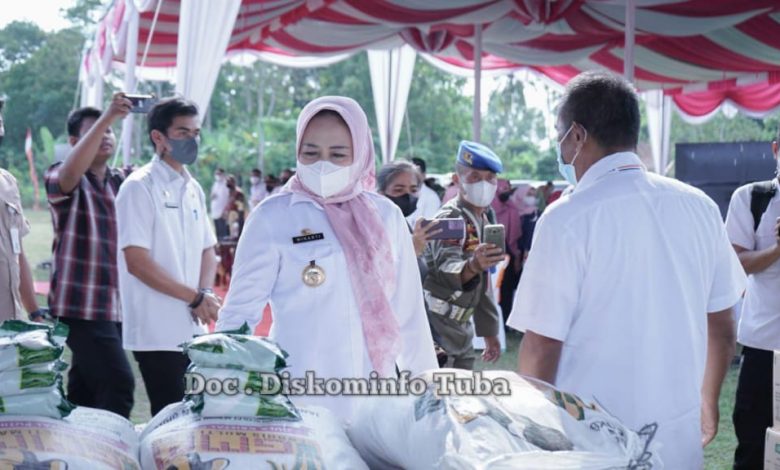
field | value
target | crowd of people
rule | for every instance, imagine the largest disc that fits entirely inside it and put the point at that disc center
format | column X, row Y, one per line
column 625, row 282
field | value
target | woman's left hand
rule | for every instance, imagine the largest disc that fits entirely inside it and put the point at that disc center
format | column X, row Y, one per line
column 421, row 235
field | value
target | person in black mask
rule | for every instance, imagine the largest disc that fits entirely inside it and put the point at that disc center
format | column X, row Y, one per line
column 399, row 181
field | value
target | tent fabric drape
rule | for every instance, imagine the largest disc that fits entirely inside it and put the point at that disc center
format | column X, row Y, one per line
column 391, row 77
column 204, row 31
column 659, row 125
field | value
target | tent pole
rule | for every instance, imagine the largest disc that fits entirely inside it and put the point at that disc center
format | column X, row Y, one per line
column 131, row 53
column 476, row 123
column 389, row 136
column 628, row 48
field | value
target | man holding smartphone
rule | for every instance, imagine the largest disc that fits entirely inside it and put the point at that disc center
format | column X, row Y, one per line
column 84, row 290
column 458, row 285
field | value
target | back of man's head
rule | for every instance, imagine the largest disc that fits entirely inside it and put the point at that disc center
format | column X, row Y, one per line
column 606, row 105
column 77, row 117
column 163, row 113
column 420, row 163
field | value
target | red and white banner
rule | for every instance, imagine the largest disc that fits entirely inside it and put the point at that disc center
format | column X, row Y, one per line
column 678, row 42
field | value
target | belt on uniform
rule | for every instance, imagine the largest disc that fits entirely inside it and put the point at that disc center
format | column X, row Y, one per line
column 448, row 310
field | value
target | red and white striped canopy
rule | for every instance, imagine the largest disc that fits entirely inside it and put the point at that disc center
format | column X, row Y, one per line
column 700, row 51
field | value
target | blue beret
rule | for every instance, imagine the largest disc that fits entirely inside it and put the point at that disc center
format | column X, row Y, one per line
column 479, row 157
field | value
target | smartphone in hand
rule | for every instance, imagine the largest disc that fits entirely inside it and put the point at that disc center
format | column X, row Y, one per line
column 141, row 103
column 495, row 234
column 451, row 229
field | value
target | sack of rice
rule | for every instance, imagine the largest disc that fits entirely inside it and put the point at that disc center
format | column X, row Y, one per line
column 236, row 349
column 512, row 422
column 59, row 331
column 230, row 392
column 178, row 438
column 28, row 348
column 49, row 402
column 31, row 379
column 87, row 439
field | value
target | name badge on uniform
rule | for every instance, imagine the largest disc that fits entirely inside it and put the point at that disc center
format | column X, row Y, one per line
column 16, row 243
column 308, row 236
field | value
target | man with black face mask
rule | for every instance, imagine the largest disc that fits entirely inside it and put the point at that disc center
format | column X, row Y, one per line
column 168, row 262
column 16, row 280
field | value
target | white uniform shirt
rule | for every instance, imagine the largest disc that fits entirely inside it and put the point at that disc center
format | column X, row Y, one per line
column 220, row 196
column 428, row 204
column 257, row 192
column 759, row 324
column 164, row 212
column 320, row 327
column 623, row 271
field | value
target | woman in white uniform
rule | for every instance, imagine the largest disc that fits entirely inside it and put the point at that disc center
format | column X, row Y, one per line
column 336, row 262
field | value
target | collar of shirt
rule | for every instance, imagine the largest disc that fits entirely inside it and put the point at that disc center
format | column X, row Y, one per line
column 167, row 174
column 300, row 197
column 616, row 162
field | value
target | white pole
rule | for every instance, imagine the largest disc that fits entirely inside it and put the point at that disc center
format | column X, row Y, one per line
column 628, row 47
column 131, row 53
column 476, row 123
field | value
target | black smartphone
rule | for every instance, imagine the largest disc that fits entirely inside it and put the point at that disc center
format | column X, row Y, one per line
column 141, row 103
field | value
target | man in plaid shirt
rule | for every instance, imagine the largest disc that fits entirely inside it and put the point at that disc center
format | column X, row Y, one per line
column 84, row 284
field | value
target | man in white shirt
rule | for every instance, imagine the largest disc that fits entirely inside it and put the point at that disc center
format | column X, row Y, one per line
column 428, row 202
column 257, row 190
column 627, row 294
column 220, row 196
column 168, row 263
column 753, row 225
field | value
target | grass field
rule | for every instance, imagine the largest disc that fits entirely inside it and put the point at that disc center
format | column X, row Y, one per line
column 718, row 455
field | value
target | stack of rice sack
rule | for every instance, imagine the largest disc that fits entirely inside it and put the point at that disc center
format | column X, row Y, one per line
column 534, row 426
column 243, row 431
column 31, row 369
column 253, row 361
column 86, row 439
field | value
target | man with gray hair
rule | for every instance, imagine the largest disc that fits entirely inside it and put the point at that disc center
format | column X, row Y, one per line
column 627, row 294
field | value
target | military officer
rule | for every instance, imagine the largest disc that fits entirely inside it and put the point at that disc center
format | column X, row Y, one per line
column 458, row 283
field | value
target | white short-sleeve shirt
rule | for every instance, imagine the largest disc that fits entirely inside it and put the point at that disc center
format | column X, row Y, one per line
column 624, row 271
column 165, row 212
column 759, row 323
column 320, row 327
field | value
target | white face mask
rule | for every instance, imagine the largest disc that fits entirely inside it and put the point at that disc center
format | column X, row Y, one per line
column 480, row 194
column 324, row 178
column 254, row 179
column 529, row 200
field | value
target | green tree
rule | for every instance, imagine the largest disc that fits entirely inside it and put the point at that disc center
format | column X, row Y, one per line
column 18, row 41
column 439, row 117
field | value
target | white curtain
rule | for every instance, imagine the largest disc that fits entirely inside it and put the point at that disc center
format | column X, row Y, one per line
column 205, row 27
column 659, row 125
column 91, row 82
column 391, row 77
column 131, row 57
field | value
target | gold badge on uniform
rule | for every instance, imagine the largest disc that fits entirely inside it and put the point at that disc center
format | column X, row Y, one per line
column 468, row 158
column 313, row 275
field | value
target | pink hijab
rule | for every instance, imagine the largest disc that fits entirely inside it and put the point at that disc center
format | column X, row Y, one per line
column 355, row 219
column 508, row 215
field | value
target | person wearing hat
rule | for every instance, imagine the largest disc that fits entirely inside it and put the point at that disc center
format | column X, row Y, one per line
column 18, row 290
column 458, row 286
